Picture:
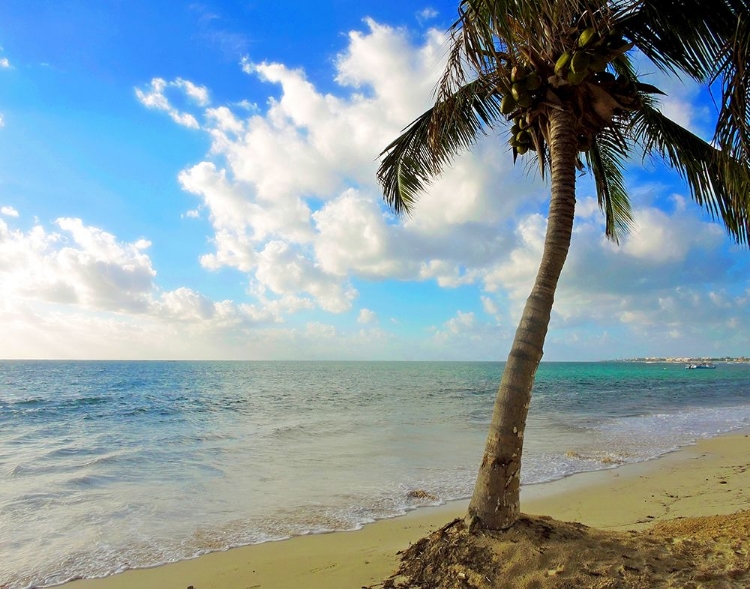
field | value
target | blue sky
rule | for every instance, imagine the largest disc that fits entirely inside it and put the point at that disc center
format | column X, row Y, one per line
column 196, row 180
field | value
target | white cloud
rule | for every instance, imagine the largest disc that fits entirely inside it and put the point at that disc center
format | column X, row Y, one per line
column 286, row 271
column 81, row 265
column 330, row 144
column 460, row 325
column 354, row 237
column 461, row 322
column 490, row 307
column 4, row 63
column 660, row 278
column 225, row 120
column 681, row 112
column 426, row 14
column 310, row 147
column 78, row 291
column 656, row 238
column 517, row 269
column 198, row 94
column 187, row 305
column 465, row 337
column 8, row 211
column 320, row 331
column 155, row 98
column 367, row 317
column 471, row 191
column 247, row 105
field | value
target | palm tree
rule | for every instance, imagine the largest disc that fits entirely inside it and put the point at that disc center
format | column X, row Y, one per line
column 560, row 74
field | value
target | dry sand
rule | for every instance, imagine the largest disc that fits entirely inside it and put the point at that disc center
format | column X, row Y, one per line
column 709, row 479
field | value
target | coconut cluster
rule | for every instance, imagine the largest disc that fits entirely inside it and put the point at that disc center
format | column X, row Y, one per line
column 524, row 86
column 592, row 56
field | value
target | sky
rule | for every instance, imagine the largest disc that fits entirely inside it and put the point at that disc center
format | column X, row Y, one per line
column 196, row 180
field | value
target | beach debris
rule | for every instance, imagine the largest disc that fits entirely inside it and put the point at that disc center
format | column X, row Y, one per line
column 421, row 494
column 601, row 457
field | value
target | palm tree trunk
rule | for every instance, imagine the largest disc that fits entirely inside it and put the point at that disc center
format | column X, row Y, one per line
column 495, row 503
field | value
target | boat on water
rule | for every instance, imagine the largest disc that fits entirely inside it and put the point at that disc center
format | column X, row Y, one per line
column 701, row 366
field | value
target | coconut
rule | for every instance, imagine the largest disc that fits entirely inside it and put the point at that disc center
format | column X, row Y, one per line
column 508, row 104
column 580, row 62
column 523, row 138
column 562, row 62
column 518, row 90
column 525, row 100
column 587, row 37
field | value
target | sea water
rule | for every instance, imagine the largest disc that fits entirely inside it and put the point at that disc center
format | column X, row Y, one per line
column 106, row 466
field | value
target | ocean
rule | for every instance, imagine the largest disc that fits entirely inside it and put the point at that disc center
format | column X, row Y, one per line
column 106, row 466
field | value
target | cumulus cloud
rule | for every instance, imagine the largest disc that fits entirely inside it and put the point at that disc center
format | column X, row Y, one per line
column 4, row 63
column 352, row 236
column 656, row 238
column 461, row 325
column 187, row 305
column 299, row 177
column 311, row 145
column 77, row 264
column 285, row 270
column 8, row 211
column 366, row 317
column 468, row 337
column 461, row 322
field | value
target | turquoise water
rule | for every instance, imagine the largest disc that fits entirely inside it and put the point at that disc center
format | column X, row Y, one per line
column 112, row 465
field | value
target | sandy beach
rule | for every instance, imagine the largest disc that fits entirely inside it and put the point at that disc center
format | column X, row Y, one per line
column 708, row 479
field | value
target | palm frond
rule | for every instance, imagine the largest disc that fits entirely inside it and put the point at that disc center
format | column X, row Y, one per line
column 454, row 73
column 623, row 66
column 685, row 37
column 605, row 160
column 733, row 124
column 520, row 29
column 717, row 181
column 419, row 154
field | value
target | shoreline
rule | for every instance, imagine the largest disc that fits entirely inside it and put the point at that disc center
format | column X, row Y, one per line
column 709, row 477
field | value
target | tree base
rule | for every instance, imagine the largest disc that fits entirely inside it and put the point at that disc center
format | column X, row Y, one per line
column 543, row 553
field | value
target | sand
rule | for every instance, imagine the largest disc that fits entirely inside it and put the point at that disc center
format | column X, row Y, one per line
column 626, row 505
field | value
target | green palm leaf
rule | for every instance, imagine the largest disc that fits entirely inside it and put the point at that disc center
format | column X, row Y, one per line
column 733, row 125
column 605, row 160
column 419, row 154
column 716, row 180
column 688, row 38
